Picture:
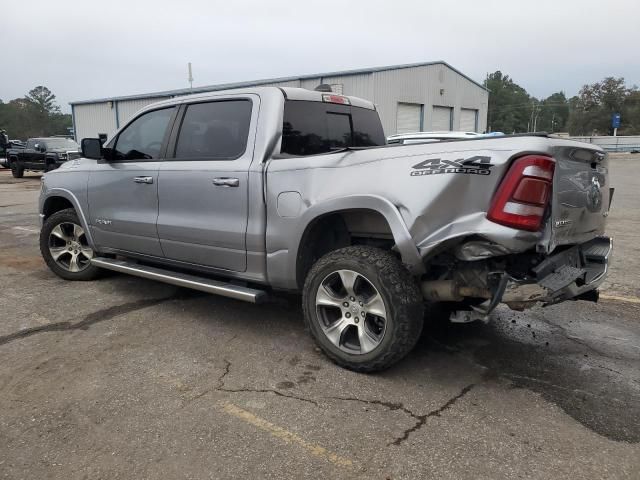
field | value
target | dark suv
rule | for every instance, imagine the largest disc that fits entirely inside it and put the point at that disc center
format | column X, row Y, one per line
column 42, row 154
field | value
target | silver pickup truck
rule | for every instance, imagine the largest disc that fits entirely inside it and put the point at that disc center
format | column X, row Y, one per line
column 242, row 193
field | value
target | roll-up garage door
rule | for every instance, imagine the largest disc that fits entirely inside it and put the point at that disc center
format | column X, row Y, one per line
column 468, row 120
column 408, row 118
column 441, row 120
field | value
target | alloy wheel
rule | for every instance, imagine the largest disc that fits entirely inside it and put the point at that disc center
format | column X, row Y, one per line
column 351, row 312
column 69, row 248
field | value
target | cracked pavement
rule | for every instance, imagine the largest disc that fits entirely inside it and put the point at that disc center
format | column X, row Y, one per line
column 127, row 378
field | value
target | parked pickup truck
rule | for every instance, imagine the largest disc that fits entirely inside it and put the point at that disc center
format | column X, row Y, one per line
column 41, row 154
column 241, row 193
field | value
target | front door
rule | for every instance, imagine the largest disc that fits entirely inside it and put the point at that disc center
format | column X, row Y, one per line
column 123, row 192
column 203, row 189
column 30, row 154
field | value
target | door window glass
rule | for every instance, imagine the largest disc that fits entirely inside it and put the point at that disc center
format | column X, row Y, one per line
column 142, row 139
column 214, row 130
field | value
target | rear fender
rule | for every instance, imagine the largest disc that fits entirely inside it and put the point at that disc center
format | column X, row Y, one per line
column 282, row 265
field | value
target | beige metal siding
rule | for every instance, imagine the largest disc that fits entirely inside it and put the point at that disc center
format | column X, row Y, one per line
column 291, row 83
column 468, row 120
column 94, row 118
column 354, row 85
column 128, row 108
column 428, row 85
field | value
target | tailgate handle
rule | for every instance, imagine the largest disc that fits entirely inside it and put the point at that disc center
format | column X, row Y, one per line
column 226, row 182
column 143, row 179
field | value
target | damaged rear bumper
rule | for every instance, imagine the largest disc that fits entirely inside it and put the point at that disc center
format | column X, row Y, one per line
column 565, row 275
column 569, row 274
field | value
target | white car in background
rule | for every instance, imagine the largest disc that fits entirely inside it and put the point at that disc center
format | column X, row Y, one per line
column 429, row 137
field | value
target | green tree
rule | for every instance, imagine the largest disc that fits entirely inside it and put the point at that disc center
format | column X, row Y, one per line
column 44, row 99
column 591, row 110
column 34, row 115
column 510, row 106
column 553, row 114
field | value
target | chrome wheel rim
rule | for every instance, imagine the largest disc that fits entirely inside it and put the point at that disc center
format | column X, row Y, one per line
column 351, row 312
column 69, row 248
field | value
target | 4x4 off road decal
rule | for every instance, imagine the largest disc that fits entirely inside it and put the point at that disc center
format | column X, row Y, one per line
column 476, row 165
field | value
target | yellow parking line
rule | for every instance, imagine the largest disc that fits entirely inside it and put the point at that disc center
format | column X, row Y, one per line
column 620, row 299
column 285, row 435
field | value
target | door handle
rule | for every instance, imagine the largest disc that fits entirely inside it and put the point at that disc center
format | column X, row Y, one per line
column 226, row 182
column 143, row 179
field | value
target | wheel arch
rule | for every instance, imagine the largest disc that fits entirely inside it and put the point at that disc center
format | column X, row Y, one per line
column 58, row 199
column 332, row 213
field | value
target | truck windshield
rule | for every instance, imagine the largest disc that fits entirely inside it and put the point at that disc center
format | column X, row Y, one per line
column 311, row 128
column 61, row 143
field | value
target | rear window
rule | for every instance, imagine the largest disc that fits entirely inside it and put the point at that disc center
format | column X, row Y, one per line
column 310, row 128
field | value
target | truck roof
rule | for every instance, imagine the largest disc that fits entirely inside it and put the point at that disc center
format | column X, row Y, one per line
column 290, row 93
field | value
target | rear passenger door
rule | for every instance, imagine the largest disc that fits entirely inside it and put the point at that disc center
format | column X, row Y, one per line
column 203, row 185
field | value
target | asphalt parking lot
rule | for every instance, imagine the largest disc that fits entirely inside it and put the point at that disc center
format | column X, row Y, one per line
column 127, row 378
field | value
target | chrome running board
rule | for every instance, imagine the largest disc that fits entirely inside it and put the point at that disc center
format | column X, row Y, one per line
column 203, row 284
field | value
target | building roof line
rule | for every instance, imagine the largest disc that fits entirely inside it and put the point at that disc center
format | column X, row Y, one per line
column 255, row 83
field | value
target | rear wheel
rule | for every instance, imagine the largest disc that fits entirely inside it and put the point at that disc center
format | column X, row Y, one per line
column 64, row 247
column 17, row 170
column 363, row 308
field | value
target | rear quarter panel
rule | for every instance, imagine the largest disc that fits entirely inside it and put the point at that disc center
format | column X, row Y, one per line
column 448, row 202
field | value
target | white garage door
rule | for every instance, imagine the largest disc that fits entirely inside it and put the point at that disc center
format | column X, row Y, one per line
column 441, row 120
column 408, row 118
column 468, row 120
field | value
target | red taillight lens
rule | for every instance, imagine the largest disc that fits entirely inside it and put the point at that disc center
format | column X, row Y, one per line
column 524, row 193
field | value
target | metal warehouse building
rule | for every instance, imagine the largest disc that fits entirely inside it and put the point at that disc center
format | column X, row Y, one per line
column 413, row 97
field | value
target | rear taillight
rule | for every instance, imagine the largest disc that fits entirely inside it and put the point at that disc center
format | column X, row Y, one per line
column 524, row 193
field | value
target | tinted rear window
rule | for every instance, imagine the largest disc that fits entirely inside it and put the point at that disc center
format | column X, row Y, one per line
column 310, row 128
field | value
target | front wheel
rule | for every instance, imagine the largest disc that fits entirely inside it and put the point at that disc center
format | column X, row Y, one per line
column 363, row 308
column 17, row 170
column 64, row 247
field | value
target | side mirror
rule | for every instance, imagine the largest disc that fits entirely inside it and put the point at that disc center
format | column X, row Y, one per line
column 42, row 149
column 91, row 148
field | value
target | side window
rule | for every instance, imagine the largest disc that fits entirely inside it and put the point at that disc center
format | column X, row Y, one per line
column 31, row 143
column 142, row 139
column 311, row 128
column 214, row 130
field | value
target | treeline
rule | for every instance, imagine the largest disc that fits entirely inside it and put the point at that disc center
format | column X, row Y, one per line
column 34, row 115
column 513, row 110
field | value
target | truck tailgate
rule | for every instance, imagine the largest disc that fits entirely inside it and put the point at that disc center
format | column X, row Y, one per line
column 581, row 196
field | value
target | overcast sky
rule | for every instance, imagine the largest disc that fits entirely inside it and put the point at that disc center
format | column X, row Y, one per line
column 82, row 49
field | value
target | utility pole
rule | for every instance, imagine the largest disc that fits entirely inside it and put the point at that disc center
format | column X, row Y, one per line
column 553, row 121
column 190, row 77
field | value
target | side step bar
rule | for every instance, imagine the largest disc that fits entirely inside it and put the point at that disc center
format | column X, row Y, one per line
column 183, row 280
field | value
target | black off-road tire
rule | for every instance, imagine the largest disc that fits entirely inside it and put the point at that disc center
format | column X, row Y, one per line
column 401, row 295
column 63, row 217
column 17, row 170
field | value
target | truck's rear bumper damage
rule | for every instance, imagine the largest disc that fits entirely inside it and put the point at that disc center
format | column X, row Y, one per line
column 574, row 273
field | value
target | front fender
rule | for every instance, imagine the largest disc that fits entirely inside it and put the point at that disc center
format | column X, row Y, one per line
column 50, row 193
column 286, row 237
